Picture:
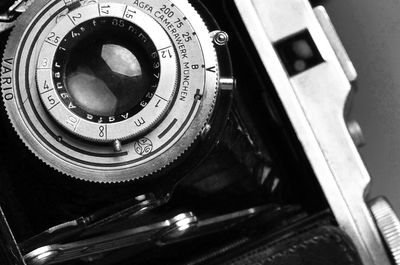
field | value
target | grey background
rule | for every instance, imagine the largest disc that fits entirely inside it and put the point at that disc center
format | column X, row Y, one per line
column 370, row 31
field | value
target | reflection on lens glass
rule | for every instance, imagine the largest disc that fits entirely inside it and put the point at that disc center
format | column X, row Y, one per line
column 121, row 60
column 108, row 72
column 108, row 80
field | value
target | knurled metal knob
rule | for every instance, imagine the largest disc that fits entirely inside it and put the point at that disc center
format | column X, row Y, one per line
column 389, row 226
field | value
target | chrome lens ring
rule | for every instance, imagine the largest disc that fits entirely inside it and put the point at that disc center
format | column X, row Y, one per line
column 142, row 152
column 104, row 129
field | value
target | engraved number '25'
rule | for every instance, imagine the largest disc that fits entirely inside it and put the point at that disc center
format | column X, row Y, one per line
column 53, row 38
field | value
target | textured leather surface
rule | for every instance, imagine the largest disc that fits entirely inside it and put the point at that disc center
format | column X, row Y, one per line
column 321, row 246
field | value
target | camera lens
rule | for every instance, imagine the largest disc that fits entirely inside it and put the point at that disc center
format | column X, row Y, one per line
column 111, row 91
column 106, row 70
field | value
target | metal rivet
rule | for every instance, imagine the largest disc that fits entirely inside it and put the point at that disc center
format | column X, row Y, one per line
column 220, row 38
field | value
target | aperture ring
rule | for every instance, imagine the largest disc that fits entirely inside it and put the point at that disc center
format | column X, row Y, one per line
column 129, row 124
column 146, row 152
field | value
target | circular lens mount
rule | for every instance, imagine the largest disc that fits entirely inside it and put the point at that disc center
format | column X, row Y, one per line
column 107, row 83
column 84, row 78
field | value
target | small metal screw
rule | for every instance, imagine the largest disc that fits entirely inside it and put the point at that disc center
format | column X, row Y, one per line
column 220, row 38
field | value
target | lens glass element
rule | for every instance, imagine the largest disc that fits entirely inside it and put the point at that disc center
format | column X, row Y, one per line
column 110, row 67
column 106, row 79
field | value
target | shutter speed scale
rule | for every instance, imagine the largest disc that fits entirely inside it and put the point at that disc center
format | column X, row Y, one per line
column 86, row 77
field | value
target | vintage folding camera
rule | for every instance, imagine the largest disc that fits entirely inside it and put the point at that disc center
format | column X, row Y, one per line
column 182, row 132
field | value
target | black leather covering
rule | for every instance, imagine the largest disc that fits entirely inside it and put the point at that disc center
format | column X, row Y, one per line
column 320, row 246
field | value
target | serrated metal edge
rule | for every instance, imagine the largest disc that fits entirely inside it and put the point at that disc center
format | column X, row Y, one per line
column 179, row 155
column 389, row 226
column 8, row 112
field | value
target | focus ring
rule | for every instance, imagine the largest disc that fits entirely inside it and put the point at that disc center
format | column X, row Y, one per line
column 140, row 153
